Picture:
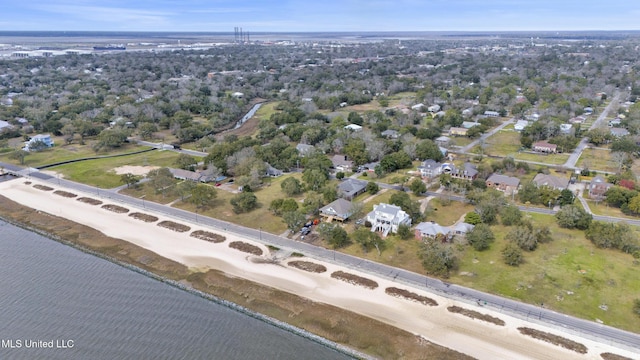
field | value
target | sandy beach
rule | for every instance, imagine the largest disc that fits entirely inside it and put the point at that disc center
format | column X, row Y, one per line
column 476, row 338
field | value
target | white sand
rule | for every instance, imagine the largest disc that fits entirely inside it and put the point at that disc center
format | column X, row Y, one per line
column 474, row 337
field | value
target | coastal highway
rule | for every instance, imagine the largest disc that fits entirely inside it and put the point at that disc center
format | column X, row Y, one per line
column 536, row 314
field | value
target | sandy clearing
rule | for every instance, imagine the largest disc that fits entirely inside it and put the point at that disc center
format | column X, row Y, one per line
column 476, row 338
column 134, row 169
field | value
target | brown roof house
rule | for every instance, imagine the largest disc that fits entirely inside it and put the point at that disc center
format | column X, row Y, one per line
column 507, row 184
column 545, row 147
column 598, row 186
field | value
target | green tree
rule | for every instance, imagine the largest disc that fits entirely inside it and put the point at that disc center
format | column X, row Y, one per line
column 185, row 189
column 573, row 217
column 404, row 231
column 512, row 254
column 244, row 202
column 566, row 197
column 294, row 220
column 19, row 155
column 634, row 205
column 529, row 193
column 437, row 259
column 340, row 175
column 202, row 195
column 427, row 149
column 186, row 162
column 333, row 234
column 111, row 138
column 368, row 240
column 161, row 180
column 146, row 130
column 130, row 179
column 524, row 237
column 314, row 178
column 472, row 218
column 291, row 186
column 510, row 215
column 636, row 307
column 412, row 208
column 480, row 237
column 417, row 186
column 372, row 188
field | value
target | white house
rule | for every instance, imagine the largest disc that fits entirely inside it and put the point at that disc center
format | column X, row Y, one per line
column 386, row 218
column 353, row 127
column 417, row 107
column 40, row 138
column 434, row 108
column 520, row 125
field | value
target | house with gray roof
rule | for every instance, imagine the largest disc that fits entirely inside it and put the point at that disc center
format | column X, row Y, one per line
column 619, row 132
column 340, row 163
column 469, row 124
column 551, row 181
column 305, row 149
column 506, row 184
column 350, row 188
column 468, row 171
column 340, row 210
column 386, row 218
column 430, row 168
column 390, row 134
column 431, row 229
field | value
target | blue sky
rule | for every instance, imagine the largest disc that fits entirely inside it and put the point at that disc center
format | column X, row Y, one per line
column 324, row 15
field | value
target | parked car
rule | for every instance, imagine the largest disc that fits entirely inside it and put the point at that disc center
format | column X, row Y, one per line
column 305, row 231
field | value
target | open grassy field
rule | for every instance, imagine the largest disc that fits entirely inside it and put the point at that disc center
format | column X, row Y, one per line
column 568, row 275
column 261, row 217
column 597, row 159
column 554, row 159
column 447, row 214
column 503, row 143
column 100, row 172
column 601, row 208
column 62, row 152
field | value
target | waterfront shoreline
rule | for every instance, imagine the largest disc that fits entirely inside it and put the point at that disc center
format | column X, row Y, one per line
column 180, row 285
column 413, row 320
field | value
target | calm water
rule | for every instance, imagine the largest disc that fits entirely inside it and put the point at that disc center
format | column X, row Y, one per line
column 49, row 291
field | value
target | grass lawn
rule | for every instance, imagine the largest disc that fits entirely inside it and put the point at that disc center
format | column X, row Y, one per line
column 461, row 141
column 603, row 209
column 257, row 218
column 503, row 143
column 100, row 172
column 62, row 152
column 597, row 159
column 266, row 110
column 555, row 159
column 379, row 198
column 446, row 215
column 398, row 253
column 568, row 275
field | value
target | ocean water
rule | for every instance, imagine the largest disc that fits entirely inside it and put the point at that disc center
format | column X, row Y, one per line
column 89, row 308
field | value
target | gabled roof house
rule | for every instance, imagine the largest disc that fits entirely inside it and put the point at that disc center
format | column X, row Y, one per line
column 386, row 218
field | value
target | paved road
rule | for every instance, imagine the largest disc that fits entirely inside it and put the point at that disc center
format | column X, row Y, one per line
column 575, row 155
column 486, row 135
column 163, row 146
column 595, row 331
